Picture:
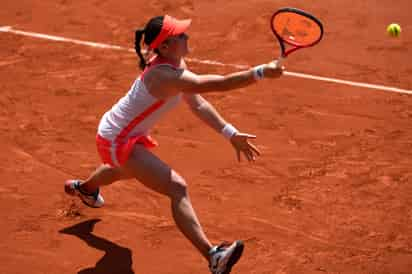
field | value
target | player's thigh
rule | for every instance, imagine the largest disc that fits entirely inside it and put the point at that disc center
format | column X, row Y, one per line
column 154, row 173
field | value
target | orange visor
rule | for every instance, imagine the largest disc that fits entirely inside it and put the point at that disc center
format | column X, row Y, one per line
column 170, row 27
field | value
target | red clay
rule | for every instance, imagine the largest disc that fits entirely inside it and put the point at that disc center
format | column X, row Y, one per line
column 331, row 193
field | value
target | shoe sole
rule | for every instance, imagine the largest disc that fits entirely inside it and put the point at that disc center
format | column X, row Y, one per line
column 235, row 256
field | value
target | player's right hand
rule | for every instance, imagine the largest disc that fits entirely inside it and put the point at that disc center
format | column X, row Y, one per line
column 273, row 69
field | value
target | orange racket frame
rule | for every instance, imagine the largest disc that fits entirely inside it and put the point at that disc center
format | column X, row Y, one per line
column 306, row 19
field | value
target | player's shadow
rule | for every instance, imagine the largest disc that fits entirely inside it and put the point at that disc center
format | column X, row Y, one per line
column 116, row 260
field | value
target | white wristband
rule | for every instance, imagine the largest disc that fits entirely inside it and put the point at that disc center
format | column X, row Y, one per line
column 228, row 131
column 258, row 72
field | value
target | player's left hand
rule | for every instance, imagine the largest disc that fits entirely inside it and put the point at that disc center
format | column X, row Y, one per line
column 240, row 142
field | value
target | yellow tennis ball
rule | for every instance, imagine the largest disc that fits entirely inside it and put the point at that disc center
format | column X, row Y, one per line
column 394, row 30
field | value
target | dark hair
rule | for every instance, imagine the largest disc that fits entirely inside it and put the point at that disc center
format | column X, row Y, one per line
column 150, row 31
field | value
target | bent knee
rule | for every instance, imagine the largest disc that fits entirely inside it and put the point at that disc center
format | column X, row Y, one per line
column 178, row 186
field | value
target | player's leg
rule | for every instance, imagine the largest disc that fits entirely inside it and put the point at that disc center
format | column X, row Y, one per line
column 104, row 175
column 158, row 176
column 89, row 191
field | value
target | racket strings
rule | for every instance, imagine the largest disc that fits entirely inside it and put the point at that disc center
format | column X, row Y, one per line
column 296, row 29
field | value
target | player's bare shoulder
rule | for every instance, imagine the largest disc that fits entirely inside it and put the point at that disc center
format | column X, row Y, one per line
column 160, row 81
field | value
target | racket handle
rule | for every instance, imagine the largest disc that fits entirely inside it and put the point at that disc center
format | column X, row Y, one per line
column 280, row 60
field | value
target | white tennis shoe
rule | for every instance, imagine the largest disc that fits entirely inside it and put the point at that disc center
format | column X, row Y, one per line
column 224, row 256
column 72, row 187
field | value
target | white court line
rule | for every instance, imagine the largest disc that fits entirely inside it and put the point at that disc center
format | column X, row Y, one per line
column 9, row 29
column 349, row 83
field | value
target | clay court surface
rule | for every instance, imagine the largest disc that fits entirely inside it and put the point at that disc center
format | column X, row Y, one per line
column 331, row 193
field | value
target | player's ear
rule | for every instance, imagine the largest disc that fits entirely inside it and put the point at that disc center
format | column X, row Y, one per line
column 163, row 46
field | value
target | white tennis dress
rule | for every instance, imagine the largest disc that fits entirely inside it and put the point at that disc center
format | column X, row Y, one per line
column 129, row 121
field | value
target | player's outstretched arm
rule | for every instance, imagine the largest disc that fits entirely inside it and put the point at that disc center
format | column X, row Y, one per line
column 170, row 82
column 189, row 82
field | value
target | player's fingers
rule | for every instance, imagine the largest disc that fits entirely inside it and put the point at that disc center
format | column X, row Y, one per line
column 252, row 156
column 250, row 136
column 247, row 155
column 246, row 135
column 254, row 149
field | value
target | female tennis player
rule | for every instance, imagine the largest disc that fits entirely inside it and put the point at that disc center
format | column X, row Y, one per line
column 123, row 139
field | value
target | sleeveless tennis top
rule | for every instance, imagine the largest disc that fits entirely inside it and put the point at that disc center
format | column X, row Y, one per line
column 136, row 112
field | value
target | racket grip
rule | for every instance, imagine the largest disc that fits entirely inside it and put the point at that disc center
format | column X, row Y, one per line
column 280, row 60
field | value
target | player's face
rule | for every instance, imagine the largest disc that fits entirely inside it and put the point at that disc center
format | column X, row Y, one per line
column 178, row 44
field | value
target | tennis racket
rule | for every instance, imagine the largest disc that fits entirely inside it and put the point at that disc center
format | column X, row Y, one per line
column 296, row 29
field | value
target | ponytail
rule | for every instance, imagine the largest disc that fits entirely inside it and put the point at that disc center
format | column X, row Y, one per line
column 150, row 31
column 138, row 39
